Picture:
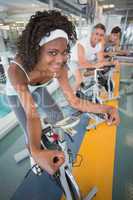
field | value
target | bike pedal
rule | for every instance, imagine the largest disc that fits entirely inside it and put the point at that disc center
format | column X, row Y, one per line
column 70, row 131
column 68, row 122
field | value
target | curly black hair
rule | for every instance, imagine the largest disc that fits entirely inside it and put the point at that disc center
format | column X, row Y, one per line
column 39, row 25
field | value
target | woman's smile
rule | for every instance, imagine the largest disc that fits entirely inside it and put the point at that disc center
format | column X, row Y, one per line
column 56, row 66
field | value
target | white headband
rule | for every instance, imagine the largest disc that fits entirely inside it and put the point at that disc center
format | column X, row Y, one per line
column 58, row 33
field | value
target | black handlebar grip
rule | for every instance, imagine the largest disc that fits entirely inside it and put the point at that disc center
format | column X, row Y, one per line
column 109, row 66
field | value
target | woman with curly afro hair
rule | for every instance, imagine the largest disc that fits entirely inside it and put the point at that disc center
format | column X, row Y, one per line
column 43, row 51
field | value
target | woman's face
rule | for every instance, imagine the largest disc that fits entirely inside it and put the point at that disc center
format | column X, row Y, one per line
column 54, row 54
column 114, row 37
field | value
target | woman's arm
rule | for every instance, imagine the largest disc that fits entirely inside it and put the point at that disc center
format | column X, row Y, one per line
column 19, row 82
column 84, row 105
column 44, row 158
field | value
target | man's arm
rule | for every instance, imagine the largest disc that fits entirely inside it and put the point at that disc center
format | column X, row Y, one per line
column 83, row 62
column 100, row 54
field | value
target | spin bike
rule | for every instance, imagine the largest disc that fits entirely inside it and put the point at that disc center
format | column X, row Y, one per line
column 53, row 138
column 90, row 88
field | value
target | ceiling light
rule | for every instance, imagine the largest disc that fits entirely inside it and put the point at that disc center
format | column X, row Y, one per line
column 33, row 5
column 107, row 6
column 111, row 6
column 19, row 22
column 4, row 27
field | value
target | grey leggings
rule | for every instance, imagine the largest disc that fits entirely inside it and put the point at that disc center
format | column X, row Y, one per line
column 44, row 101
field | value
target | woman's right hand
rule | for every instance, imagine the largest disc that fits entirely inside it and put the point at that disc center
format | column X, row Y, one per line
column 49, row 160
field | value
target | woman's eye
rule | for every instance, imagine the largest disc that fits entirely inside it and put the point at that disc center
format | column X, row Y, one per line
column 55, row 53
column 66, row 52
column 52, row 53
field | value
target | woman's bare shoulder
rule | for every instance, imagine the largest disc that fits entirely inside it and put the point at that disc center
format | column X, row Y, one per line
column 16, row 75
